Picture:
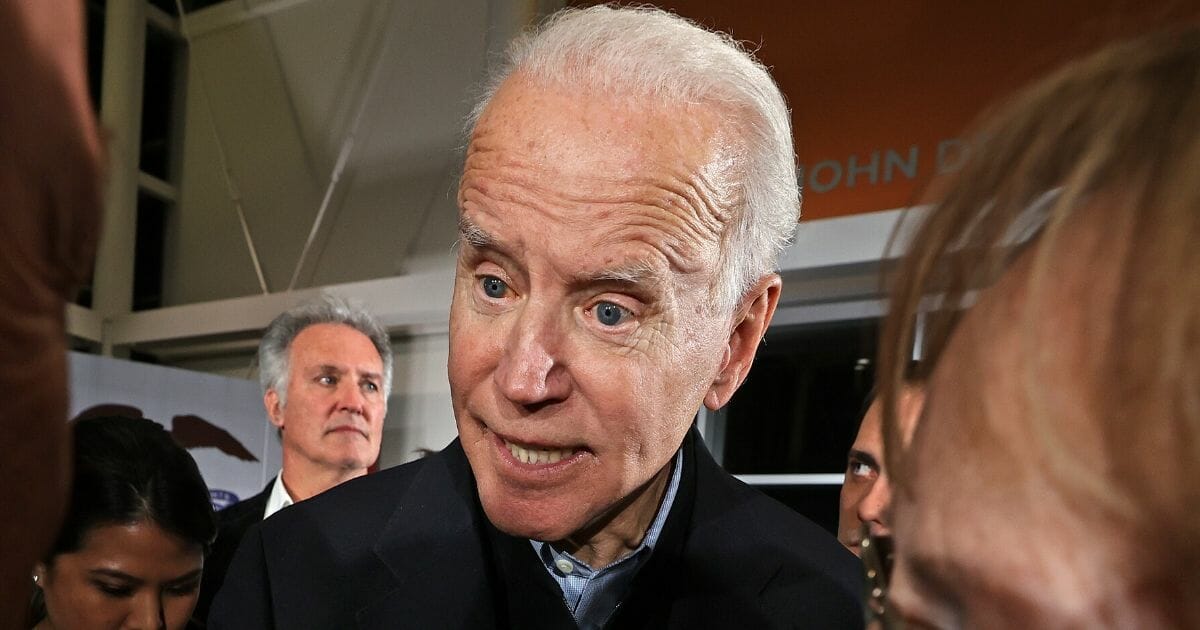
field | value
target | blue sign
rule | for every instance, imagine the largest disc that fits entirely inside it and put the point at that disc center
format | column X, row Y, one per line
column 222, row 499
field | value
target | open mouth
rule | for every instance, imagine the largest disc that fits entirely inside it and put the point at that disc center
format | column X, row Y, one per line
column 527, row 454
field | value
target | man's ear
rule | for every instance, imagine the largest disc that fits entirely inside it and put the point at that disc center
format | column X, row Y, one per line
column 274, row 409
column 751, row 318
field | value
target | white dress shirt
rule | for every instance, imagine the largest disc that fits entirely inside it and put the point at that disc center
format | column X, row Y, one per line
column 279, row 498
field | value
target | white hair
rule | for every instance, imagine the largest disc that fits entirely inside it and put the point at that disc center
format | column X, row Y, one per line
column 274, row 350
column 648, row 52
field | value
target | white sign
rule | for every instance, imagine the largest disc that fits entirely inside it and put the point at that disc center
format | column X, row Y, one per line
column 220, row 420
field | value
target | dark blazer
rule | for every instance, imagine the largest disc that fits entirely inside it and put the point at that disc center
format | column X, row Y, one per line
column 410, row 547
column 232, row 523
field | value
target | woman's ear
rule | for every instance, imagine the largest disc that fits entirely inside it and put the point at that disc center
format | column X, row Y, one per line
column 750, row 321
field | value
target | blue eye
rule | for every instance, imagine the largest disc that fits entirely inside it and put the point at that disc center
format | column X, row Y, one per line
column 610, row 314
column 493, row 287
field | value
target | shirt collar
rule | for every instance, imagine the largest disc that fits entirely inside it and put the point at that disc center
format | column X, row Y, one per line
column 279, row 498
column 550, row 556
column 664, row 510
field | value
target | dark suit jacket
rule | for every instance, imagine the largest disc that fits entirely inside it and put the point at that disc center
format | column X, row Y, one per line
column 232, row 523
column 410, row 547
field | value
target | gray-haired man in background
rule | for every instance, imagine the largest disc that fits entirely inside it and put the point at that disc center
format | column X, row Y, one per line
column 326, row 370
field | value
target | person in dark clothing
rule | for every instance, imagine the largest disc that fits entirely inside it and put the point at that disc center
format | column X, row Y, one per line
column 130, row 553
column 326, row 370
column 628, row 186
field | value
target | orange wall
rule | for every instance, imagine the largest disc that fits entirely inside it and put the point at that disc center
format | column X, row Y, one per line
column 888, row 83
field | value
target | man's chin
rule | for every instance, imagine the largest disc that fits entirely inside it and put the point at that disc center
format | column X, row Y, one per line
column 354, row 463
column 536, row 520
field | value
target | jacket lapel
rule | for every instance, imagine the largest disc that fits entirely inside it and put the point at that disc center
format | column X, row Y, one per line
column 527, row 597
column 686, row 582
column 434, row 553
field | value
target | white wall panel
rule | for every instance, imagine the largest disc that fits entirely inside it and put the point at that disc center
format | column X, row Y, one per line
column 161, row 393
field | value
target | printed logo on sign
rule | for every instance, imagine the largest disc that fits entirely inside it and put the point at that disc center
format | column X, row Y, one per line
column 221, row 499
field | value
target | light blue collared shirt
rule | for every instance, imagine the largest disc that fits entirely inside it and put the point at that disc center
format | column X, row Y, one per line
column 593, row 595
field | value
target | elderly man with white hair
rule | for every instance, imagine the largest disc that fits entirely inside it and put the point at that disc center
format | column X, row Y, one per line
column 628, row 186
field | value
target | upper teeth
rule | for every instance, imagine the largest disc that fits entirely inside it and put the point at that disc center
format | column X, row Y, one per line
column 536, row 456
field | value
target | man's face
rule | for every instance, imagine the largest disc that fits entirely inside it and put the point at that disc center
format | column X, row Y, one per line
column 986, row 534
column 333, row 418
column 583, row 334
column 863, row 466
column 867, row 493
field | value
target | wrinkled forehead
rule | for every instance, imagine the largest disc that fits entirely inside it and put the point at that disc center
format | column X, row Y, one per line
column 576, row 131
column 589, row 168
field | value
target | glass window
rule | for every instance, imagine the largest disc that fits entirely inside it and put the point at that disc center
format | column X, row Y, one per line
column 158, row 100
column 799, row 408
column 798, row 412
column 95, row 49
column 148, row 251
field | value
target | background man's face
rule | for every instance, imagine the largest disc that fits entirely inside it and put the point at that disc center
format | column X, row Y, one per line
column 862, row 472
column 582, row 337
column 867, row 492
column 335, row 405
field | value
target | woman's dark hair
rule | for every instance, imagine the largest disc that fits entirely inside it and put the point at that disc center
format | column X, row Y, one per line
column 128, row 470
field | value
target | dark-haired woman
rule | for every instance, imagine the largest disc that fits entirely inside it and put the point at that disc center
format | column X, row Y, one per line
column 131, row 550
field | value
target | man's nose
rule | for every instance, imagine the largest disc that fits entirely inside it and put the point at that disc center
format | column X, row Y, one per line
column 146, row 612
column 531, row 369
column 351, row 397
column 875, row 506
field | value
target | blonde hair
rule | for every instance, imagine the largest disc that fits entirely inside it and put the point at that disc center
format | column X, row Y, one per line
column 1121, row 127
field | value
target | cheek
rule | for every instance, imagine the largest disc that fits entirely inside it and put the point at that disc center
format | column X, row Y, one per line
column 473, row 354
column 667, row 386
column 177, row 611
column 375, row 428
column 671, row 389
column 82, row 606
column 851, row 493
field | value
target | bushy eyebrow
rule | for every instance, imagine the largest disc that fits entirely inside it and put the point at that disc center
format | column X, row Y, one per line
column 472, row 234
column 326, row 368
column 186, row 578
column 636, row 272
column 638, row 277
column 864, row 457
column 115, row 574
column 121, row 575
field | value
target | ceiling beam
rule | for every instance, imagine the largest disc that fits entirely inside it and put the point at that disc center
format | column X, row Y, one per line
column 417, row 302
column 232, row 13
column 84, row 323
column 163, row 21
